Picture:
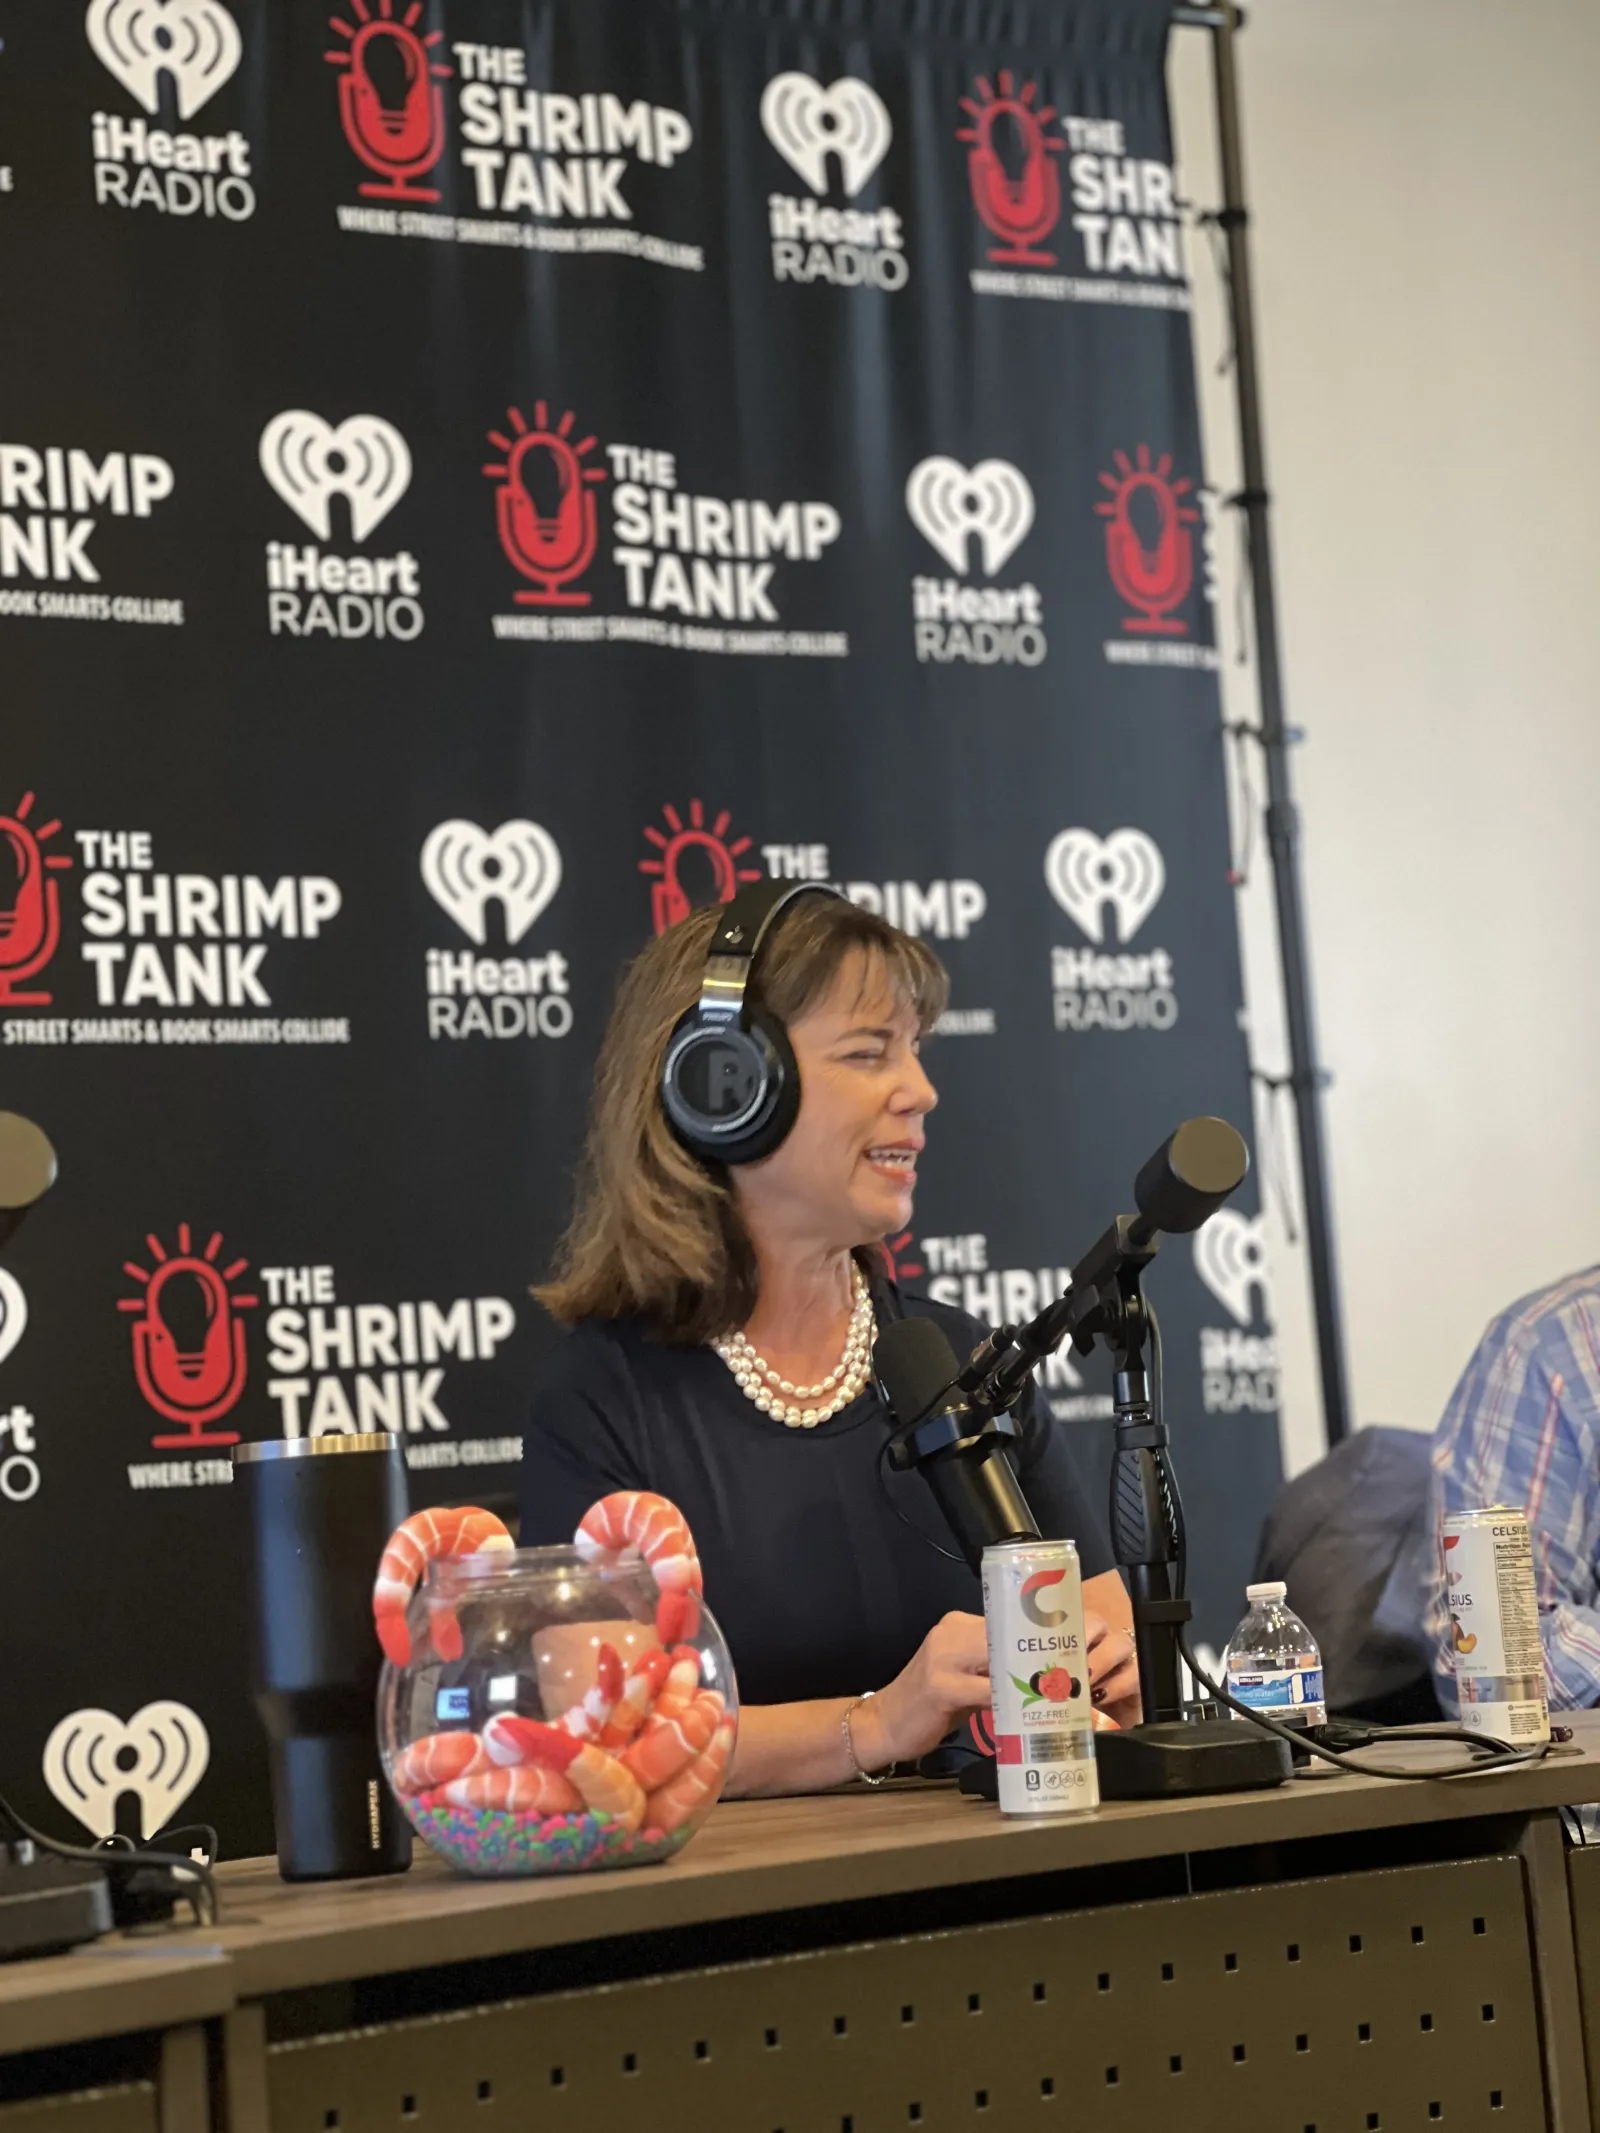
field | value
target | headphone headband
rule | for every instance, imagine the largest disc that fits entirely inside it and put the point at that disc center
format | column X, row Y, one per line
column 745, row 925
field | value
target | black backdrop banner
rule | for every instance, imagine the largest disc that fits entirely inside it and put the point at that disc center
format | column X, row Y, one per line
column 477, row 478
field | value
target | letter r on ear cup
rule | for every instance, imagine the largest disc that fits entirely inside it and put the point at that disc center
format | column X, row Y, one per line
column 729, row 1084
column 730, row 1093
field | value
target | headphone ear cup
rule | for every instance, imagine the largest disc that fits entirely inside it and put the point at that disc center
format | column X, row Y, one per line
column 767, row 1134
column 757, row 1061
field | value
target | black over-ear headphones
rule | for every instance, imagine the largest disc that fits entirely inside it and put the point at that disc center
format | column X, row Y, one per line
column 729, row 1083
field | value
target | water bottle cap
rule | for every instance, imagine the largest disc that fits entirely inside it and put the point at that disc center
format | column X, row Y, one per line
column 1275, row 1591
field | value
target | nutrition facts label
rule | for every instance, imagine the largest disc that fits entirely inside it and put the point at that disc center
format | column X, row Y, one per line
column 1519, row 1605
column 1494, row 1625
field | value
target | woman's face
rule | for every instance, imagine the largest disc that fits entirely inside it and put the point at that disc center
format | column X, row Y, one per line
column 847, row 1172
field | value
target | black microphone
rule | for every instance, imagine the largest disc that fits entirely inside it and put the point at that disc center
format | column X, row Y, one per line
column 1190, row 1175
column 962, row 1455
column 1182, row 1185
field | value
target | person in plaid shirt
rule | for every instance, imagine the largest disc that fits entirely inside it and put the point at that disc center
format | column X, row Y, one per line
column 1523, row 1427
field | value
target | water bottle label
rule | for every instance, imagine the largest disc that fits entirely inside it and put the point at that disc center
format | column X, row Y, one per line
column 1288, row 1688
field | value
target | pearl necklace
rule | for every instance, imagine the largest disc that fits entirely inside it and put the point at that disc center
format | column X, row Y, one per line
column 774, row 1395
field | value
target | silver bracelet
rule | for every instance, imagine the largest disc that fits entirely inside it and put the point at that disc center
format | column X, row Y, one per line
column 850, row 1747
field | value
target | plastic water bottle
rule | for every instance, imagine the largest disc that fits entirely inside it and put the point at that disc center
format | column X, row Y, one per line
column 1272, row 1661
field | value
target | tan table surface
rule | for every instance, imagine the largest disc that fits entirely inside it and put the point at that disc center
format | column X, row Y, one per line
column 753, row 1856
column 775, row 1855
column 111, row 1988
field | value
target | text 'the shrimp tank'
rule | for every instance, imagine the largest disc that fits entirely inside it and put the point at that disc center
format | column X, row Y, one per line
column 542, row 1724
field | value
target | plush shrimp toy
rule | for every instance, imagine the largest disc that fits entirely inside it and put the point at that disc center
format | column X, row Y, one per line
column 420, row 1540
column 631, row 1526
column 634, row 1525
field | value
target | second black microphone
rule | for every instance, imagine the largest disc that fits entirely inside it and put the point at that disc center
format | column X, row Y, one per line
column 962, row 1455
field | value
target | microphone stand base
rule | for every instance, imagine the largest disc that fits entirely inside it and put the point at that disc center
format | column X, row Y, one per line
column 1171, row 1761
column 1176, row 1759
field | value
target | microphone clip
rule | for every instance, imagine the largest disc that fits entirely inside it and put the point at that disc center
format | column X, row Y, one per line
column 963, row 1432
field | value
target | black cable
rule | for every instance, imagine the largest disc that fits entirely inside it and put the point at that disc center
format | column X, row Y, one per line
column 210, row 1842
column 1238, row 738
column 1499, row 1755
column 1211, row 221
column 103, row 1856
column 883, row 1483
column 1485, row 1752
column 1180, row 1587
column 1156, row 1386
column 1272, row 1148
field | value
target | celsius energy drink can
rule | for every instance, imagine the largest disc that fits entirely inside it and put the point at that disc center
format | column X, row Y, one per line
column 1494, row 1623
column 1039, row 1678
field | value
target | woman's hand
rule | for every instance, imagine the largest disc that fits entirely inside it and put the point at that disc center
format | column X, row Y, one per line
column 795, row 1747
column 947, row 1678
column 1113, row 1671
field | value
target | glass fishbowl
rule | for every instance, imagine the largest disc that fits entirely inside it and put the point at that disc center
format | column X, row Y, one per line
column 562, row 1736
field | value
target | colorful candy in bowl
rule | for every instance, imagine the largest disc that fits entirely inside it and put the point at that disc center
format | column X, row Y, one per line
column 552, row 1710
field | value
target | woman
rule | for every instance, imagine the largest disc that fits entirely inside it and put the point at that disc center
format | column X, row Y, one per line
column 722, row 1330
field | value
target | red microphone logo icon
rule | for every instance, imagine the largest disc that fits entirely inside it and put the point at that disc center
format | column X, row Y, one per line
column 30, row 903
column 669, row 899
column 544, row 506
column 390, row 104
column 188, row 1341
column 1023, row 208
column 896, row 1251
column 1152, row 574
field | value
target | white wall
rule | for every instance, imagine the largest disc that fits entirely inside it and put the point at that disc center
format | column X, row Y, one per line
column 1425, row 180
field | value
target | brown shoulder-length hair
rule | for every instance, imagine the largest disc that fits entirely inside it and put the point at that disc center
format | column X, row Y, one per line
column 654, row 1231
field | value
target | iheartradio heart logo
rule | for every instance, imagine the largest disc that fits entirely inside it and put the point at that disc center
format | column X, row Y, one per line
column 195, row 41
column 1230, row 1256
column 806, row 123
column 466, row 868
column 1124, row 870
column 13, row 1313
column 91, row 1759
column 949, row 502
column 308, row 462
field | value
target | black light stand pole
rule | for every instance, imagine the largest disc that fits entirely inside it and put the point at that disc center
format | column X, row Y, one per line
column 1306, row 1078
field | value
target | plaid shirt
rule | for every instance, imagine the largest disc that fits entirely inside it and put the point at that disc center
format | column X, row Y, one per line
column 1523, row 1427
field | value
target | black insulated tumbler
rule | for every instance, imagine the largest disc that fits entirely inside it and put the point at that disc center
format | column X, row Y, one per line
column 321, row 1510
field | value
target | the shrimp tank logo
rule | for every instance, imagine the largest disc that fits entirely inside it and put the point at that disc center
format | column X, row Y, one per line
column 188, row 1337
column 900, row 1253
column 694, row 862
column 544, row 504
column 1149, row 544
column 30, row 902
column 390, row 104
column 1016, row 187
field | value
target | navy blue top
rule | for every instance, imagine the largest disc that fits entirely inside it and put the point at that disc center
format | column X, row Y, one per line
column 819, row 1588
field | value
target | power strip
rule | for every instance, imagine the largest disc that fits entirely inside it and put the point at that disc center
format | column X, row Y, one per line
column 48, row 1904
